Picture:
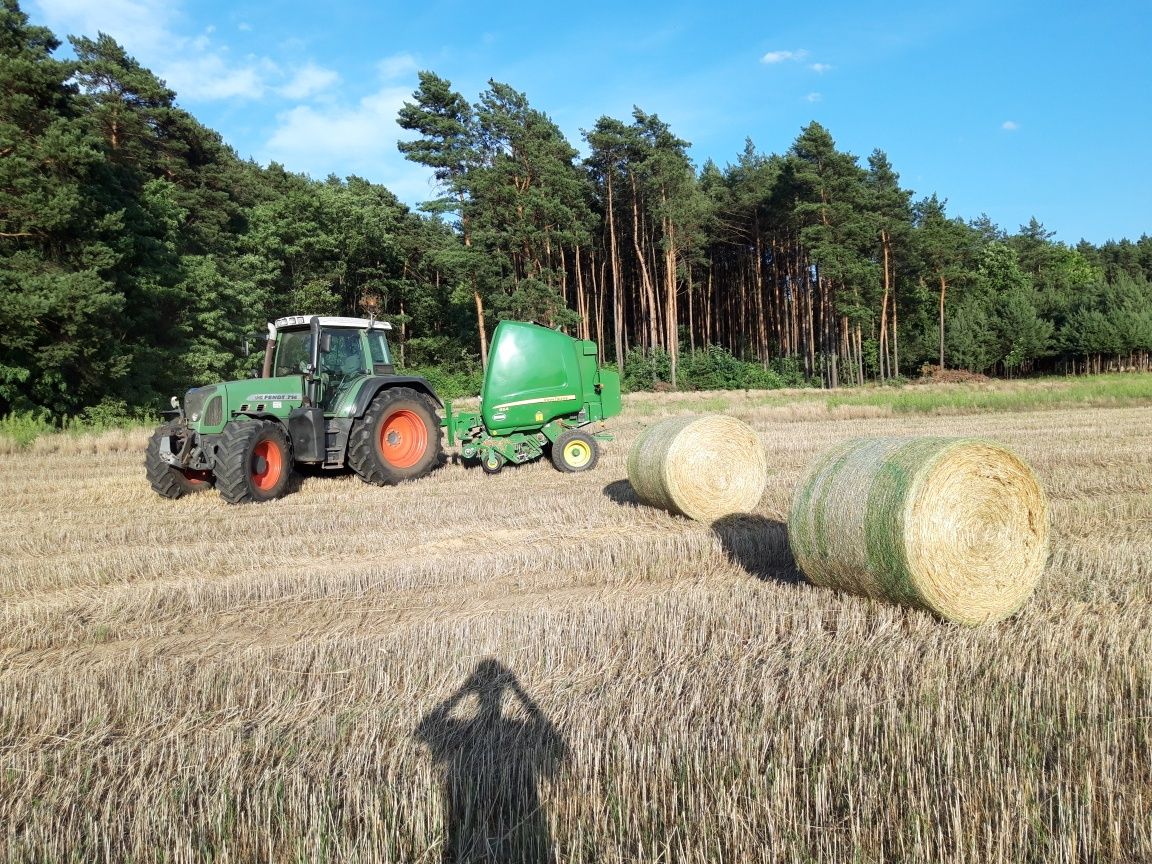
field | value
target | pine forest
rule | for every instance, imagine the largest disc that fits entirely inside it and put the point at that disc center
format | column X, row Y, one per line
column 141, row 255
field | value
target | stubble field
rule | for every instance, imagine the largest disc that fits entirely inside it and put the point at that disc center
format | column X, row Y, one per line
column 532, row 667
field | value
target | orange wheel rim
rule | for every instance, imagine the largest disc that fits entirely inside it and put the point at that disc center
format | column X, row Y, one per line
column 267, row 465
column 403, row 439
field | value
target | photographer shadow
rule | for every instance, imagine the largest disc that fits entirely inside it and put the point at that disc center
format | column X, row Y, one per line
column 491, row 763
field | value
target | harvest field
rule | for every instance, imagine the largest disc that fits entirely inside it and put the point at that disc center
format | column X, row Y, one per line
column 532, row 667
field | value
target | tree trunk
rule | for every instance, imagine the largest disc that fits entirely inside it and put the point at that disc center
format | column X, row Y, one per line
column 465, row 223
column 614, row 263
column 943, row 291
column 645, row 278
column 671, row 315
column 882, row 361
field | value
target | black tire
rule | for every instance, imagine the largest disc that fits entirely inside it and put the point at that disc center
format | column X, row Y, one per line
column 494, row 464
column 253, row 461
column 167, row 480
column 397, row 439
column 575, row 451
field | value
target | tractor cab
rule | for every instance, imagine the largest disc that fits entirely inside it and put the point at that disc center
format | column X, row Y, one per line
column 332, row 353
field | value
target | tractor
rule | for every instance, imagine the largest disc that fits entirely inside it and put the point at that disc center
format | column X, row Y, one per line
column 329, row 396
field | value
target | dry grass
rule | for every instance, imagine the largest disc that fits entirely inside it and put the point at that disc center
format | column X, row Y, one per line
column 188, row 681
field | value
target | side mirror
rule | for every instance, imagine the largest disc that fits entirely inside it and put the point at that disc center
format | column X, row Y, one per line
column 325, row 343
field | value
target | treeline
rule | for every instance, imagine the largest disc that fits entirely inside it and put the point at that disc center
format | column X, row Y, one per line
column 139, row 254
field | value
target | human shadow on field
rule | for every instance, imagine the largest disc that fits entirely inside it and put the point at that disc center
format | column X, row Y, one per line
column 760, row 546
column 490, row 765
column 621, row 492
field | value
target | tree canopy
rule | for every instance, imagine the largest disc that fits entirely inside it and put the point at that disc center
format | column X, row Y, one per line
column 140, row 253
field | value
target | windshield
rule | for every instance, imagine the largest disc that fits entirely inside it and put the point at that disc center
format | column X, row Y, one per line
column 291, row 353
column 346, row 354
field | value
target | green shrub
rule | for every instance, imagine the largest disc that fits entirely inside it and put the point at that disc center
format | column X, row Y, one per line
column 646, row 370
column 24, row 427
column 710, row 368
column 450, row 383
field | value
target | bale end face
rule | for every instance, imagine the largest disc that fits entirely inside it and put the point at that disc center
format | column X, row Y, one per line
column 955, row 526
column 702, row 467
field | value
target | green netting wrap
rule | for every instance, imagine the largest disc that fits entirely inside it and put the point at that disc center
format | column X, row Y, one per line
column 700, row 467
column 954, row 525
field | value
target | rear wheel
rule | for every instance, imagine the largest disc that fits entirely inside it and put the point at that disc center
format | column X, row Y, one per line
column 575, row 451
column 397, row 439
column 168, row 480
column 253, row 461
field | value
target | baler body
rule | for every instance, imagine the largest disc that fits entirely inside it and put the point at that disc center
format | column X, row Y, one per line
column 539, row 384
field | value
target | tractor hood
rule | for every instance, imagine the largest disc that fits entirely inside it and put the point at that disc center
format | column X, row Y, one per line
column 209, row 408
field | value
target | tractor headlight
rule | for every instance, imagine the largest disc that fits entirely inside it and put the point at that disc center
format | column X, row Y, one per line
column 195, row 417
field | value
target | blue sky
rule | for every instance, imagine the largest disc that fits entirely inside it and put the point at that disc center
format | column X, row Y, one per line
column 1014, row 109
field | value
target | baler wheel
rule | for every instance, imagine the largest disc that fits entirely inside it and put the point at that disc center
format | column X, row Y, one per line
column 253, row 461
column 168, row 480
column 397, row 439
column 575, row 451
column 492, row 463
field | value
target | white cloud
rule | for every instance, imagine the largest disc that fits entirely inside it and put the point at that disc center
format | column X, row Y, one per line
column 361, row 138
column 821, row 68
column 1009, row 125
column 132, row 23
column 309, row 80
column 197, row 67
column 210, row 77
column 813, row 97
column 397, row 66
column 782, row 56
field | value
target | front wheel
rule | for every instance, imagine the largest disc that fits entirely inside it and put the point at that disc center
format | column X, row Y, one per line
column 253, row 461
column 168, row 480
column 575, row 451
column 397, row 439
column 493, row 463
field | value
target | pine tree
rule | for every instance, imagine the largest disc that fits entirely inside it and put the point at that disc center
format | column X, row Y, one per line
column 448, row 145
column 944, row 246
column 59, row 309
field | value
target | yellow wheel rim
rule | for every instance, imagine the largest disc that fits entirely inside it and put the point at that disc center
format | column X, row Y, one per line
column 577, row 453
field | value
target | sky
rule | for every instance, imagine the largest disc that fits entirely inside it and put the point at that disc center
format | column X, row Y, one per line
column 1010, row 109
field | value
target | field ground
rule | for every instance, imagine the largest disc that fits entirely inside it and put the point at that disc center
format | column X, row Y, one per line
column 532, row 667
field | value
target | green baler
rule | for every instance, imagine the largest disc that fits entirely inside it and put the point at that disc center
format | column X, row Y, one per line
column 542, row 389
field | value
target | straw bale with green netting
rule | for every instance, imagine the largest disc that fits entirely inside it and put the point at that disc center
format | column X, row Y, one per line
column 702, row 467
column 953, row 525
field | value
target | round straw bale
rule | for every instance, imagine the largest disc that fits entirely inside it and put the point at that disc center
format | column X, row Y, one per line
column 700, row 467
column 956, row 526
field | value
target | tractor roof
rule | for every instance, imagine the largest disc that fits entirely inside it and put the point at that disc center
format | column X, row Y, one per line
column 291, row 321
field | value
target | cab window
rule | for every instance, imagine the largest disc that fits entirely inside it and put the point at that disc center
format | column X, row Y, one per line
column 346, row 356
column 378, row 345
column 291, row 353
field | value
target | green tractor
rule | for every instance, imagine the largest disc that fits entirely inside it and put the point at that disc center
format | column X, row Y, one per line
column 329, row 397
